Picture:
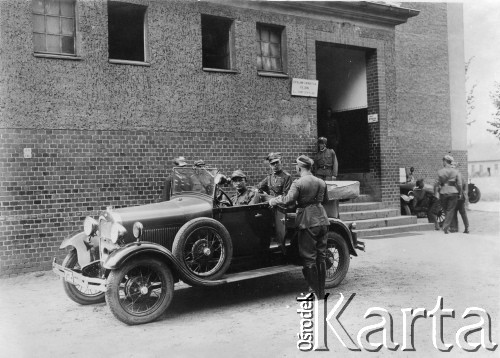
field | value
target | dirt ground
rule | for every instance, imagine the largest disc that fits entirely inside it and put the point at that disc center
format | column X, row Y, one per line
column 258, row 318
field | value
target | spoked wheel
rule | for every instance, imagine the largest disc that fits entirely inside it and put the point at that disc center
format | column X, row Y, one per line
column 474, row 195
column 78, row 293
column 440, row 217
column 140, row 291
column 337, row 259
column 204, row 247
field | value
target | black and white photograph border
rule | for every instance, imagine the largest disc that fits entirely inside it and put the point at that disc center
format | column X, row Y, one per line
column 91, row 126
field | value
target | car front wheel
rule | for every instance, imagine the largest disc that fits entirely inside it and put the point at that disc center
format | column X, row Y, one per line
column 140, row 291
column 77, row 293
column 337, row 259
column 204, row 248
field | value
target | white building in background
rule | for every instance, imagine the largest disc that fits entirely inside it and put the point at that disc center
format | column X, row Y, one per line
column 484, row 159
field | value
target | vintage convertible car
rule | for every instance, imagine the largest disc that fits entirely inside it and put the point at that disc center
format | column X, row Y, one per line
column 132, row 257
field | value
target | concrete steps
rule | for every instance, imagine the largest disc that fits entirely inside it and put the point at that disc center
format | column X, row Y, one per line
column 376, row 218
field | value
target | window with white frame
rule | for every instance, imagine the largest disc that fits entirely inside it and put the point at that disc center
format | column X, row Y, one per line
column 217, row 42
column 126, row 31
column 54, row 27
column 271, row 47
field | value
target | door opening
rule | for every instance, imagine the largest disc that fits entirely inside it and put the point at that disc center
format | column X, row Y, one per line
column 342, row 104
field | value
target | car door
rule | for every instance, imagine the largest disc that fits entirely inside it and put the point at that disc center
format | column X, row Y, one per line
column 250, row 226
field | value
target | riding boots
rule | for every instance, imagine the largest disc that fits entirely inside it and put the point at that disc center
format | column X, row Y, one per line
column 311, row 275
column 321, row 280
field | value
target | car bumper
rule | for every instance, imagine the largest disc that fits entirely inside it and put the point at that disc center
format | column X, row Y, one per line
column 77, row 279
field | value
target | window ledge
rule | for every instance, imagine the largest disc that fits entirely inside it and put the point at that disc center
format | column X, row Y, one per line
column 272, row 74
column 208, row 69
column 60, row 57
column 127, row 62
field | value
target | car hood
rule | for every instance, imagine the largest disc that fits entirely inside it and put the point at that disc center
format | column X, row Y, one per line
column 175, row 212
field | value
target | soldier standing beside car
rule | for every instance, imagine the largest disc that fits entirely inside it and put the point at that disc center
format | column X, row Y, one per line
column 311, row 222
column 325, row 161
column 276, row 183
column 449, row 185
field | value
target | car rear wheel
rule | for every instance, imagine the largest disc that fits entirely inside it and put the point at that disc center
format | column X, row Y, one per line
column 77, row 293
column 140, row 291
column 204, row 248
column 337, row 259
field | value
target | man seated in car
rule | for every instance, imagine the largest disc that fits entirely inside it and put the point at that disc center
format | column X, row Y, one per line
column 244, row 196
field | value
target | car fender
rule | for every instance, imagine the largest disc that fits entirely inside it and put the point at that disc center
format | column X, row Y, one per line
column 117, row 258
column 82, row 246
column 340, row 227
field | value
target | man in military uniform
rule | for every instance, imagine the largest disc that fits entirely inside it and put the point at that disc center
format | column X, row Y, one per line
column 276, row 183
column 449, row 185
column 180, row 181
column 325, row 161
column 243, row 196
column 311, row 221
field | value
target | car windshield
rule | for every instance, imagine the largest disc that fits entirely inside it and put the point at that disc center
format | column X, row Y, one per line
column 193, row 179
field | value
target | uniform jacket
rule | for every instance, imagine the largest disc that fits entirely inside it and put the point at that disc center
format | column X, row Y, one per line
column 448, row 181
column 308, row 191
column 276, row 183
column 325, row 163
column 248, row 197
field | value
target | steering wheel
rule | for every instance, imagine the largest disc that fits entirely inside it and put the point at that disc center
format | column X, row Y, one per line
column 222, row 199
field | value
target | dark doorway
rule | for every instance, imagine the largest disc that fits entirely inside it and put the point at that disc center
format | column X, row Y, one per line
column 342, row 104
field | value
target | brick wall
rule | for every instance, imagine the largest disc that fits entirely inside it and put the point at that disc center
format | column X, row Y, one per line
column 104, row 134
column 73, row 174
column 423, row 129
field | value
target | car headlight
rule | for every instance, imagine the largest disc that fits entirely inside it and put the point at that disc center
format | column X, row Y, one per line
column 353, row 226
column 117, row 231
column 90, row 226
column 137, row 230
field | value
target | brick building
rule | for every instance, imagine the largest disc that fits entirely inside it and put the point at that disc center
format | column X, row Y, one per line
column 96, row 97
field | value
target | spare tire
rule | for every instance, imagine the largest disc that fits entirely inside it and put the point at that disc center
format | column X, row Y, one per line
column 204, row 248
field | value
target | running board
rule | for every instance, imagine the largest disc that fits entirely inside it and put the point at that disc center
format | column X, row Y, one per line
column 266, row 271
column 247, row 275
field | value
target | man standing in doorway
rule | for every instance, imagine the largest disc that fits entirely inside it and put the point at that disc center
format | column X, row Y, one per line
column 311, row 222
column 449, row 185
column 325, row 161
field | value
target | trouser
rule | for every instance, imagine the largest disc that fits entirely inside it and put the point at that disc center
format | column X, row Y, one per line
column 449, row 203
column 312, row 249
column 312, row 245
column 463, row 213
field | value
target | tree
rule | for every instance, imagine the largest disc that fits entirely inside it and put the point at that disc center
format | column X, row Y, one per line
column 470, row 98
column 495, row 123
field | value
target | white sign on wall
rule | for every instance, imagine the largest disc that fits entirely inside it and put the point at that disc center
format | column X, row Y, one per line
column 303, row 87
column 402, row 175
column 373, row 118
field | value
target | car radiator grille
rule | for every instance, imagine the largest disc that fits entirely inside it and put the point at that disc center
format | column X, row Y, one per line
column 161, row 236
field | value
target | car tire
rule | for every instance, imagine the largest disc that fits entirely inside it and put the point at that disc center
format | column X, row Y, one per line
column 474, row 195
column 405, row 209
column 204, row 248
column 75, row 292
column 338, row 259
column 126, row 290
